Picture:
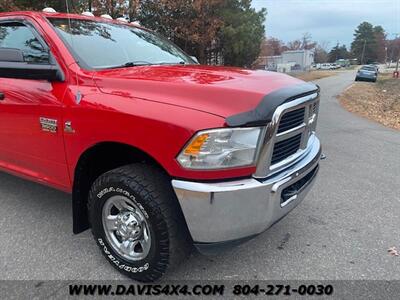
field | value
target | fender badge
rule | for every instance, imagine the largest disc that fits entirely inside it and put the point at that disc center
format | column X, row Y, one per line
column 48, row 125
column 68, row 127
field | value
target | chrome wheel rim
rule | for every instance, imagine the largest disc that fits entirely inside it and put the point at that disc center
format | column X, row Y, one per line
column 126, row 228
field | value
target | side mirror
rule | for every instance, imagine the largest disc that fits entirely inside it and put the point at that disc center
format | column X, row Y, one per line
column 11, row 55
column 13, row 65
column 195, row 59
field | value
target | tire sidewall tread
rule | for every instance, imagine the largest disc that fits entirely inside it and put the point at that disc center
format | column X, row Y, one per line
column 153, row 192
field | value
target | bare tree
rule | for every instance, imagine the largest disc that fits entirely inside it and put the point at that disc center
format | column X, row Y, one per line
column 306, row 42
column 294, row 45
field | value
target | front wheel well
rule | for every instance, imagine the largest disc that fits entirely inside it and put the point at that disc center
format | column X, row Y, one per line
column 94, row 162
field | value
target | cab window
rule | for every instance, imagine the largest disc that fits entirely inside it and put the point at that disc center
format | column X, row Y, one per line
column 19, row 36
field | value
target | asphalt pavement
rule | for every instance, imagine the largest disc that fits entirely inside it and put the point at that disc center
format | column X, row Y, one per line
column 342, row 230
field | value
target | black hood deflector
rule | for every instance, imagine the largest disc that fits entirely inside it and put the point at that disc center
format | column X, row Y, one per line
column 264, row 111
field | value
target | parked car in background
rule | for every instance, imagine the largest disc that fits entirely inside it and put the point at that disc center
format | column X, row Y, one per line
column 367, row 73
column 335, row 66
column 343, row 63
column 375, row 65
column 325, row 66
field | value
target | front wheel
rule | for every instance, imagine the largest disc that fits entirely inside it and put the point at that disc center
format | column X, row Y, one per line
column 137, row 222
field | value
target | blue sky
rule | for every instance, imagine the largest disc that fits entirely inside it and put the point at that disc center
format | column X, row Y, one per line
column 328, row 21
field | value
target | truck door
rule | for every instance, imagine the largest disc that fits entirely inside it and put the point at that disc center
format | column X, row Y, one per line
column 31, row 139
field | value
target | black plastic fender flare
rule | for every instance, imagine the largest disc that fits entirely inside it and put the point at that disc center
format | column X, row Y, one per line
column 264, row 111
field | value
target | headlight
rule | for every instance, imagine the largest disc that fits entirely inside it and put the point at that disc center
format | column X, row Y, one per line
column 221, row 148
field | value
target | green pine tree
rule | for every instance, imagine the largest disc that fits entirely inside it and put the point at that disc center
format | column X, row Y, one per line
column 242, row 34
column 364, row 44
column 338, row 52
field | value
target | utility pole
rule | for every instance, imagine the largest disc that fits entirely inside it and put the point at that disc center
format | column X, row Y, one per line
column 392, row 52
column 398, row 56
column 363, row 52
column 337, row 50
column 386, row 56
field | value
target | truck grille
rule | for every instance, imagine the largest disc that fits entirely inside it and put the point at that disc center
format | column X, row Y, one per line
column 288, row 134
column 291, row 120
column 286, row 148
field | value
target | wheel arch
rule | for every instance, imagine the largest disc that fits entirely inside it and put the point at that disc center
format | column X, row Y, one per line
column 94, row 161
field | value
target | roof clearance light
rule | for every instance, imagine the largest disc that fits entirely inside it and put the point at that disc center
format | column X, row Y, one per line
column 122, row 20
column 88, row 14
column 136, row 23
column 49, row 10
column 105, row 16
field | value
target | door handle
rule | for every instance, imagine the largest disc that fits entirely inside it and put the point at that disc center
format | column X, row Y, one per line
column 2, row 96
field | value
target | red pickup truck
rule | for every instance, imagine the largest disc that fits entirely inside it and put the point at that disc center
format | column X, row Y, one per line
column 158, row 152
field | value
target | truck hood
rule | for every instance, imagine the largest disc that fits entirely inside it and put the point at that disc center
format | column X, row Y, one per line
column 220, row 91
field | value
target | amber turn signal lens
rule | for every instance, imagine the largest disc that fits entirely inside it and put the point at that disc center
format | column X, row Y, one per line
column 194, row 147
column 219, row 148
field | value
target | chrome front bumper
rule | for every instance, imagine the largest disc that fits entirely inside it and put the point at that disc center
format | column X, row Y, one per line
column 233, row 210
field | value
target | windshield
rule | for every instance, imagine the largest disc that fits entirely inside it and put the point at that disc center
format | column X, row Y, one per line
column 102, row 45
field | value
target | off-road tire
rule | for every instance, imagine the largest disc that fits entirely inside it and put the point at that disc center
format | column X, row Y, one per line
column 152, row 190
